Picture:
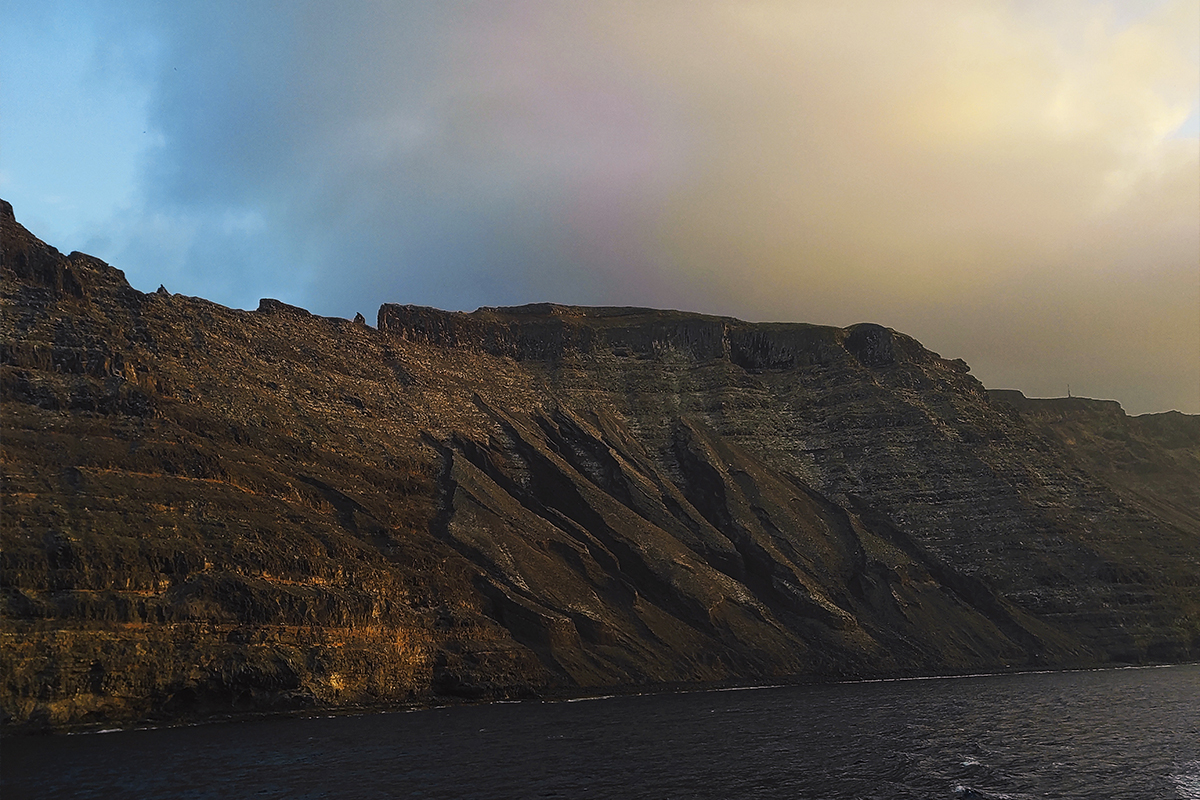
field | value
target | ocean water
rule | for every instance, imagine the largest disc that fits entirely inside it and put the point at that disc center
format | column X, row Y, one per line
column 1127, row 734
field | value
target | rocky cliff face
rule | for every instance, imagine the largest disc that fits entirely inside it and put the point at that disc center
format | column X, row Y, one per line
column 209, row 511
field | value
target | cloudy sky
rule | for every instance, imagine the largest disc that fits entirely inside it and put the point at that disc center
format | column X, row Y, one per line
column 1014, row 183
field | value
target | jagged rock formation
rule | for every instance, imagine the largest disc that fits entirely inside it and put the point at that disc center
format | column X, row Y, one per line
column 209, row 510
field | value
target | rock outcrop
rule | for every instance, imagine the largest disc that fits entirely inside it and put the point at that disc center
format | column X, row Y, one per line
column 209, row 511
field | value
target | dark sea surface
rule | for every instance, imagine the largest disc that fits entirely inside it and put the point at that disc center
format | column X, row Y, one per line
column 1129, row 734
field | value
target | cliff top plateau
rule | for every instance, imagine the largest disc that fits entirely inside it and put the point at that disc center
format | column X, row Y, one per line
column 210, row 512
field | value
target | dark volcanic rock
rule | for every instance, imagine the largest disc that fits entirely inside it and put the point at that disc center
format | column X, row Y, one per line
column 209, row 511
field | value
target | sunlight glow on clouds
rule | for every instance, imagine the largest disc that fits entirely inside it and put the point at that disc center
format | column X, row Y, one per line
column 1015, row 183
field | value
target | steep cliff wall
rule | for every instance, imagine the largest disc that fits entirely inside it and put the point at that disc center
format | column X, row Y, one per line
column 209, row 511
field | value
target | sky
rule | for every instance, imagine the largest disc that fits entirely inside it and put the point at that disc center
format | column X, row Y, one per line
column 1016, row 184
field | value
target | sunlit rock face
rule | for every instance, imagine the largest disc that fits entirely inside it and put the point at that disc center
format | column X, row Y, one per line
column 210, row 511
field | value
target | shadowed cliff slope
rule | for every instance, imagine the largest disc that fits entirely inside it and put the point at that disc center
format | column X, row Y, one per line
column 209, row 511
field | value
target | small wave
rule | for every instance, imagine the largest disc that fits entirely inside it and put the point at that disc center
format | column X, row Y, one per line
column 103, row 730
column 966, row 792
column 971, row 793
column 961, row 676
column 586, row 699
column 1187, row 781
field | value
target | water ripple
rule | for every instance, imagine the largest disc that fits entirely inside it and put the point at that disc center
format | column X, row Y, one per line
column 1105, row 735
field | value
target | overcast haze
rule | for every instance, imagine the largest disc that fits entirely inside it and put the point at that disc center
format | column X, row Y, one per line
column 1013, row 183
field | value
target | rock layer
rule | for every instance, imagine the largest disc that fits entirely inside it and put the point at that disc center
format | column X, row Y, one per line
column 210, row 511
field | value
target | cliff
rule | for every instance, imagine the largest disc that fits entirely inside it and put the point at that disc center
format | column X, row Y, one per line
column 209, row 511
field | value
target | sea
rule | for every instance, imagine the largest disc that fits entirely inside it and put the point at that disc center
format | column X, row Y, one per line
column 1122, row 733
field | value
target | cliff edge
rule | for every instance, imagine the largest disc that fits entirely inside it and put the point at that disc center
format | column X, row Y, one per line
column 210, row 511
